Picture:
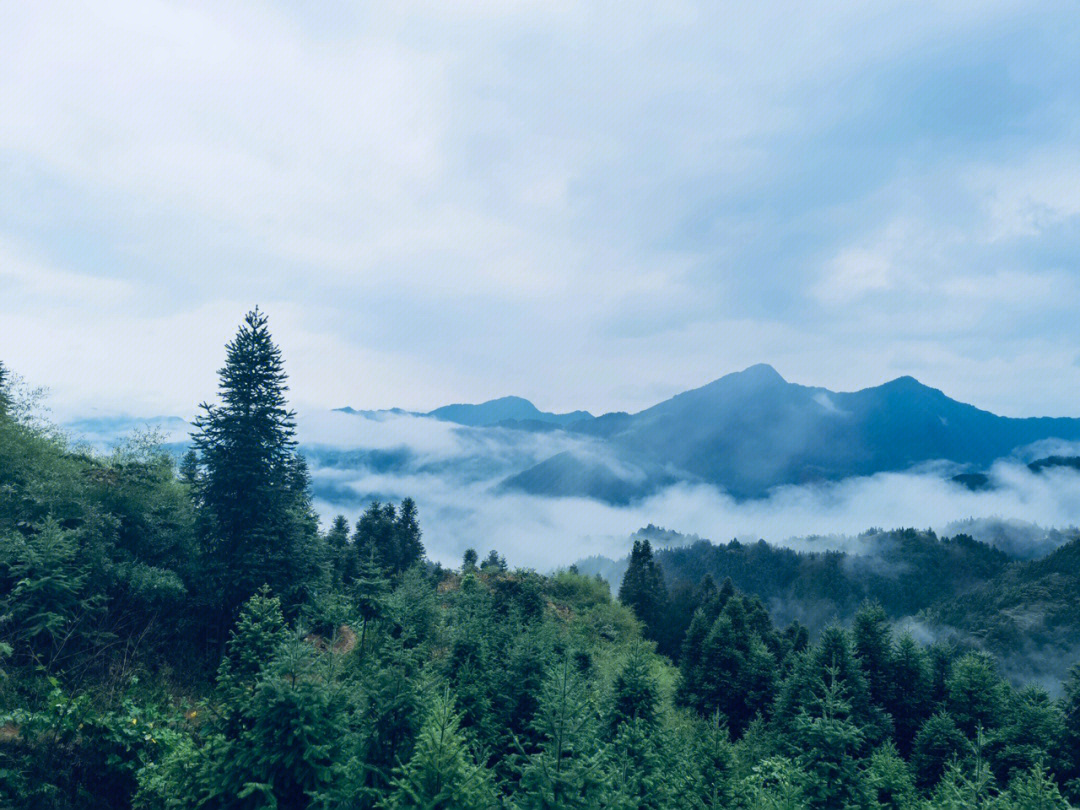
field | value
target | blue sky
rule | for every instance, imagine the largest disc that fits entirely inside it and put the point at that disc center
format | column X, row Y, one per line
column 593, row 206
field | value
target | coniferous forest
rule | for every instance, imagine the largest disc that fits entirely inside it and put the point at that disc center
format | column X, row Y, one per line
column 183, row 634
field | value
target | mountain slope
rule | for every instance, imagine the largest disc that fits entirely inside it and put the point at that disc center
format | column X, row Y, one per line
column 503, row 410
column 752, row 430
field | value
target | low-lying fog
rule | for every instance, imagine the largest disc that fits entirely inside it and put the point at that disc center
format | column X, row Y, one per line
column 454, row 474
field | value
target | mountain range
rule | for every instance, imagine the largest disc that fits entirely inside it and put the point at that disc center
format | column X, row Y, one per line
column 751, row 431
column 747, row 433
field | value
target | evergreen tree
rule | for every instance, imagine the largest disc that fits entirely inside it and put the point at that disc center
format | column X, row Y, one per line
column 376, row 536
column 1029, row 734
column 831, row 658
column 5, row 400
column 442, row 773
column 889, row 780
column 937, row 744
column 251, row 485
column 47, row 598
column 259, row 633
column 967, row 786
column 493, row 563
column 408, row 549
column 369, row 589
column 635, row 694
column 909, row 696
column 830, row 743
column 468, row 562
column 188, row 471
column 1069, row 769
column 1034, row 790
column 975, row 693
column 635, row 772
column 873, row 646
column 337, row 547
column 643, row 589
column 566, row 771
column 691, row 691
column 704, row 766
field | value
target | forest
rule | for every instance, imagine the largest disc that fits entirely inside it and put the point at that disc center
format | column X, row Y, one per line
column 182, row 633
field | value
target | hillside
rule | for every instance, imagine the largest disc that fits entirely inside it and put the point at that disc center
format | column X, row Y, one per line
column 751, row 431
column 1026, row 612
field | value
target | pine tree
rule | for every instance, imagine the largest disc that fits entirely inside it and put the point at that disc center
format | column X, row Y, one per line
column 635, row 770
column 566, row 772
column 889, row 780
column 5, row 401
column 468, row 561
column 703, row 763
column 493, row 563
column 374, row 537
column 643, row 589
column 408, row 549
column 635, row 694
column 1031, row 731
column 188, row 471
column 337, row 546
column 1034, row 790
column 833, row 654
column 967, row 786
column 873, row 646
column 829, row 743
column 975, row 693
column 909, row 698
column 369, row 589
column 259, row 633
column 937, row 744
column 691, row 687
column 1069, row 771
column 47, row 598
column 442, row 773
column 251, row 485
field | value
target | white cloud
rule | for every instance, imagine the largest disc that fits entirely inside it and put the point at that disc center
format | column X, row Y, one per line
column 27, row 278
column 589, row 207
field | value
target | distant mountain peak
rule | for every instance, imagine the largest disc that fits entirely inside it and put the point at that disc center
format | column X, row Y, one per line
column 910, row 386
column 752, row 378
column 503, row 411
column 761, row 372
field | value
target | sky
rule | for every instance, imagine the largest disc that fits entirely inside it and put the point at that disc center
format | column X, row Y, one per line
column 589, row 205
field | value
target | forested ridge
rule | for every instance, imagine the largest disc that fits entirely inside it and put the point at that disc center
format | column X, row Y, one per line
column 184, row 635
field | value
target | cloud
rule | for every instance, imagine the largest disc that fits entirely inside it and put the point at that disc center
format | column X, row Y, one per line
column 453, row 473
column 589, row 208
column 28, row 279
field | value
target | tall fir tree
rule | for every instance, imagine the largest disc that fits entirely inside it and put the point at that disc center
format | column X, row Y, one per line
column 566, row 771
column 442, row 773
column 5, row 402
column 408, row 548
column 251, row 483
column 643, row 589
column 337, row 548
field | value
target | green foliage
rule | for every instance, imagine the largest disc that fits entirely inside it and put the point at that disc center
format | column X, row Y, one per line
column 643, row 589
column 975, row 694
column 259, row 527
column 938, row 743
column 829, row 744
column 442, row 772
column 889, row 780
column 186, row 637
column 635, row 693
column 566, row 771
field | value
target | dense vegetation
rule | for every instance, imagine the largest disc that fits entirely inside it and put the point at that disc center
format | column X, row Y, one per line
column 1015, row 596
column 185, row 636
